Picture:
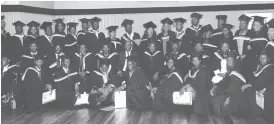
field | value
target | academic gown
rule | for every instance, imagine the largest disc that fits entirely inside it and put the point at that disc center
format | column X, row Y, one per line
column 182, row 62
column 64, row 82
column 166, row 41
column 137, row 94
column 70, row 44
column 82, row 37
column 144, row 44
column 45, row 45
column 94, row 42
column 163, row 99
column 218, row 57
column 240, row 42
column 27, row 41
column 199, row 80
column 186, row 46
column 27, row 60
column 112, row 57
column 54, row 61
column 116, row 45
column 87, row 65
column 58, row 38
column 34, row 87
column 122, row 60
column 270, row 51
column 7, row 79
column 5, row 44
column 194, row 34
column 209, row 48
column 126, row 37
column 17, row 44
column 152, row 63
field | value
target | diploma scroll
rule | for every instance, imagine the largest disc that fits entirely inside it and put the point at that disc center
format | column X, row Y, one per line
column 48, row 96
column 120, row 99
column 185, row 99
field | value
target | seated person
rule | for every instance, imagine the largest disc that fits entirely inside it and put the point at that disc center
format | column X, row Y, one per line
column 27, row 59
column 55, row 59
column 206, row 58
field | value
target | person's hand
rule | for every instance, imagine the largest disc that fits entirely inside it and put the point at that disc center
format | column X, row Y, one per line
column 245, row 86
column 49, row 87
column 78, row 95
column 155, row 76
column 227, row 101
column 82, row 74
column 249, row 47
column 221, row 75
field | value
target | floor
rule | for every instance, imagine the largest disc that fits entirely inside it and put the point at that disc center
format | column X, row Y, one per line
column 83, row 115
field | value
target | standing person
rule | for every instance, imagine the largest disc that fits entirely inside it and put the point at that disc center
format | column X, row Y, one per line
column 184, row 45
column 130, row 35
column 152, row 62
column 82, row 34
column 33, row 34
column 58, row 36
column 70, row 46
column 166, row 36
column 35, row 82
column 208, row 45
column 149, row 36
column 256, row 45
column 193, row 33
column 45, row 43
column 206, row 58
column 270, row 45
column 115, row 43
column 217, row 33
column 5, row 36
column 17, row 40
column 95, row 37
column 226, row 36
column 66, row 83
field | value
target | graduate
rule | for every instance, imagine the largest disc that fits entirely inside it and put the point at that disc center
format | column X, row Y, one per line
column 217, row 33
column 45, row 41
column 198, row 79
column 27, row 59
column 256, row 45
column 58, row 36
column 106, row 55
column 103, row 85
column 262, row 83
column 9, row 80
column 95, row 37
column 33, row 34
column 149, row 36
column 115, row 43
column 5, row 36
column 84, row 63
column 130, row 35
column 206, row 58
column 152, row 62
column 226, row 36
column 208, row 45
column 163, row 100
column 166, row 36
column 16, row 41
column 193, row 33
column 270, row 45
column 55, row 60
column 66, row 84
column 35, row 82
column 81, row 35
column 138, row 96
column 71, row 39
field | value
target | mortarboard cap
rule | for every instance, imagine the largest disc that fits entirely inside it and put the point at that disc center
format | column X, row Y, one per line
column 95, row 19
column 33, row 23
column 179, row 20
column 46, row 24
column 221, row 17
column 207, row 28
column 228, row 26
column 127, row 22
column 72, row 24
column 112, row 28
column 196, row 15
column 149, row 24
column 167, row 20
column 59, row 20
column 259, row 19
column 18, row 23
column 2, row 17
column 245, row 18
column 84, row 20
column 271, row 23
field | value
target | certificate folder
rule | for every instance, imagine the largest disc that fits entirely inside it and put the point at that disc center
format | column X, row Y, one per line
column 185, row 99
column 49, row 96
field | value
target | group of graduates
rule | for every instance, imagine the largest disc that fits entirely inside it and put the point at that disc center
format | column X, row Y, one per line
column 223, row 72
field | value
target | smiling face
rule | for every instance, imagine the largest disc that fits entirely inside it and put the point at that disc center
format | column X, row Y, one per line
column 39, row 63
column 105, row 49
column 95, row 25
column 257, row 26
column 66, row 62
column 58, row 49
column 112, row 34
column 263, row 59
column 18, row 29
column 131, row 65
column 243, row 24
column 33, row 30
column 196, row 62
column 194, row 21
column 175, row 47
column 170, row 64
column 72, row 30
column 198, row 47
column 128, row 28
column 166, row 27
column 83, row 49
column 179, row 26
column 270, row 34
column 225, row 47
column 85, row 26
column 128, row 46
column 104, row 68
column 48, row 31
column 60, row 27
column 152, row 47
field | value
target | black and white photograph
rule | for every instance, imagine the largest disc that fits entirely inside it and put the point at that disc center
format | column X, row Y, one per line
column 137, row 62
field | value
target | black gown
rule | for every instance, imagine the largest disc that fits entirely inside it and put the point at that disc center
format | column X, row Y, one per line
column 270, row 51
column 27, row 60
column 70, row 44
column 94, row 42
column 17, row 44
column 27, row 41
column 126, row 37
column 194, row 34
column 82, row 37
column 5, row 44
column 166, row 41
column 115, row 45
column 111, row 57
column 144, row 44
column 58, row 38
column 45, row 45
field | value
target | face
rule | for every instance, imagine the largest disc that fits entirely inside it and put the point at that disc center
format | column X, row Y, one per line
column 170, row 64
column 3, row 24
column 73, row 30
column 33, row 47
column 66, row 62
column 58, row 49
column 270, row 33
column 166, row 27
column 60, row 27
column 85, row 26
column 220, row 23
column 95, row 25
column 105, row 49
column 226, row 31
column 104, row 68
column 152, row 47
column 207, row 35
column 18, row 29
column 225, row 47
column 5, row 61
column 83, row 49
column 230, row 62
column 179, row 25
column 196, row 61
column 48, row 31
column 194, row 21
column 199, row 47
column 39, row 63
column 131, row 65
column 175, row 47
column 150, row 32
column 257, row 26
column 243, row 24
column 128, row 28
column 263, row 59
column 33, row 30
column 128, row 46
column 112, row 34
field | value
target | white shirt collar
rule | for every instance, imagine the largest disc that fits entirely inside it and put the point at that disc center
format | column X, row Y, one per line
column 65, row 70
column 38, row 68
column 131, row 35
column 179, row 32
column 33, row 53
